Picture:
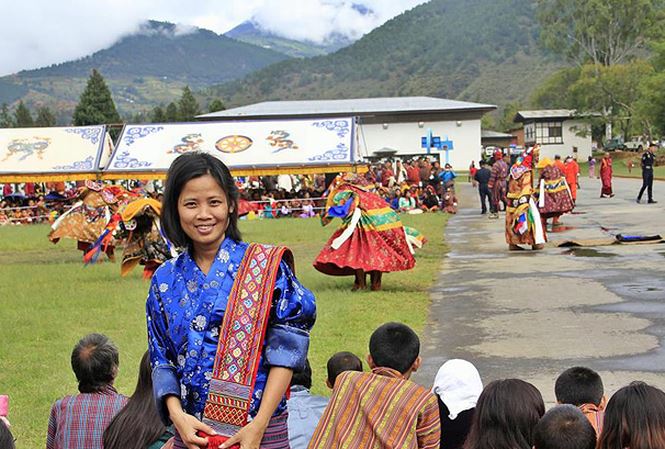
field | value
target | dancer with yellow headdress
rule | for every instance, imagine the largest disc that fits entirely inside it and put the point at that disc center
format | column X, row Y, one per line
column 523, row 223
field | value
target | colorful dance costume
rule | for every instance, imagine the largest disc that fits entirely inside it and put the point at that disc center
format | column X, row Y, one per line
column 371, row 238
column 523, row 223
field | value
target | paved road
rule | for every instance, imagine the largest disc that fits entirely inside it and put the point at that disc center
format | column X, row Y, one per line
column 533, row 314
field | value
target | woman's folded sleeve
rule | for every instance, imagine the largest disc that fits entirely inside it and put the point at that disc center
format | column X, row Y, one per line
column 292, row 317
column 164, row 378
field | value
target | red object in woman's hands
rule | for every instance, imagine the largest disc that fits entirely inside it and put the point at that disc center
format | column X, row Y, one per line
column 214, row 441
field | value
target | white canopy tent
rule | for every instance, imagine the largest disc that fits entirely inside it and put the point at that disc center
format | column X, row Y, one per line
column 53, row 154
column 260, row 147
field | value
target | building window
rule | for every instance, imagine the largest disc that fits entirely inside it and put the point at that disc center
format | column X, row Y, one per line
column 549, row 133
column 529, row 133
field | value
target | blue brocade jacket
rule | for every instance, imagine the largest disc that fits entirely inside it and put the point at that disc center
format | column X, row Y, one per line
column 185, row 309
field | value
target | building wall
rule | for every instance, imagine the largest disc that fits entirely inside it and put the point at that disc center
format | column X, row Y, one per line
column 570, row 139
column 405, row 138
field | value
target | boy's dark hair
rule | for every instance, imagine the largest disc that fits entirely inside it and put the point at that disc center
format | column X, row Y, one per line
column 564, row 427
column 340, row 362
column 579, row 385
column 394, row 345
column 184, row 168
column 95, row 361
column 303, row 377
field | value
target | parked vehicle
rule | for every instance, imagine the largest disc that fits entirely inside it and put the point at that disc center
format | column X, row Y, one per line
column 615, row 144
column 637, row 143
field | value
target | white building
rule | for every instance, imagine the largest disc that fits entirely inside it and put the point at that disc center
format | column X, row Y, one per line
column 393, row 126
column 558, row 131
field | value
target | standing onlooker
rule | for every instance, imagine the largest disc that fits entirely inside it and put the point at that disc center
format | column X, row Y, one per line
column 472, row 173
column 648, row 161
column 482, row 177
column 506, row 414
column 387, row 175
column 305, row 409
column 572, row 172
column 498, row 183
column 634, row 419
column 606, row 176
column 425, row 170
column 400, row 172
column 592, row 167
column 413, row 174
column 80, row 420
column 447, row 177
column 458, row 387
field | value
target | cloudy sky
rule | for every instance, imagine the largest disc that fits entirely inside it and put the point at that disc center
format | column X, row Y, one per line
column 36, row 33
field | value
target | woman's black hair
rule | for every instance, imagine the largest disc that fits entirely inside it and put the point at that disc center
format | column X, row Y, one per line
column 137, row 425
column 185, row 168
column 506, row 415
column 6, row 437
column 634, row 418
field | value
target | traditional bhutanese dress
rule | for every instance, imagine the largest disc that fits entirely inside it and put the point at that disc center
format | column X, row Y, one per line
column 498, row 182
column 371, row 238
column 523, row 225
column 606, row 176
column 185, row 309
column 554, row 197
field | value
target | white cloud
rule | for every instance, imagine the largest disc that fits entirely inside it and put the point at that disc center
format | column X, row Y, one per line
column 37, row 33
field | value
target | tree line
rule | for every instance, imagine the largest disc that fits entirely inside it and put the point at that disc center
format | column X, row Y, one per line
column 96, row 107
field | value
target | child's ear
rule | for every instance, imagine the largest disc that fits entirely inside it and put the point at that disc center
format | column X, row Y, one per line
column 328, row 384
column 416, row 364
column 370, row 362
column 603, row 403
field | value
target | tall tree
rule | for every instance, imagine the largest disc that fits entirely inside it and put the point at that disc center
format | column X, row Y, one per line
column 96, row 105
column 22, row 116
column 157, row 115
column 45, row 117
column 600, row 32
column 6, row 119
column 216, row 105
column 188, row 107
column 171, row 114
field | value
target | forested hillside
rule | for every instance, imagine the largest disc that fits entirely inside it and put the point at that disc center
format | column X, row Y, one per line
column 143, row 69
column 483, row 50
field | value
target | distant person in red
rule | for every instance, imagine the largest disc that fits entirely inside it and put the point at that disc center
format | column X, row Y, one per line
column 412, row 174
column 606, row 176
column 388, row 175
column 7, row 190
column 472, row 173
column 572, row 172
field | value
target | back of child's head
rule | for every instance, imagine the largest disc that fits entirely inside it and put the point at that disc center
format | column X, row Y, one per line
column 579, row 385
column 564, row 427
column 340, row 362
column 394, row 345
column 303, row 377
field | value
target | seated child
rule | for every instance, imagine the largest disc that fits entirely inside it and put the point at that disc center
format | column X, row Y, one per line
column 382, row 408
column 564, row 427
column 583, row 388
column 340, row 362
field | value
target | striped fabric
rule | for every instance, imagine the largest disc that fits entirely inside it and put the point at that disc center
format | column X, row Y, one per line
column 378, row 410
column 78, row 422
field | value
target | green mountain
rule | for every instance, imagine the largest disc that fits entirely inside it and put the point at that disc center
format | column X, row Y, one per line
column 252, row 33
column 142, row 69
column 477, row 50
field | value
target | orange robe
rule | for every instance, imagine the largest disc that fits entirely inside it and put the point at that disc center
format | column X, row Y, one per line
column 571, row 170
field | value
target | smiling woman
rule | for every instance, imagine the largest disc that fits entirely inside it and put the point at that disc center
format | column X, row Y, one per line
column 228, row 322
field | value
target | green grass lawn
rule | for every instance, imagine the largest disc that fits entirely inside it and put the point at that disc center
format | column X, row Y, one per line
column 620, row 161
column 49, row 300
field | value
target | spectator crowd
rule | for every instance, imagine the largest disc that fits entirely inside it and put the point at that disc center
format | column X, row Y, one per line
column 412, row 186
column 374, row 404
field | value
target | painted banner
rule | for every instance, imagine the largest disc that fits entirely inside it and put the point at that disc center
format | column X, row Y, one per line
column 31, row 154
column 259, row 147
